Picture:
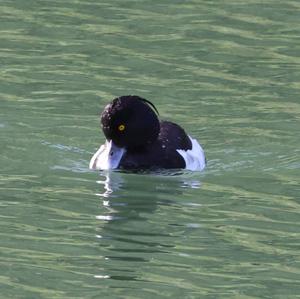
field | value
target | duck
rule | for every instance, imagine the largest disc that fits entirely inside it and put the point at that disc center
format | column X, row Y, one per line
column 136, row 139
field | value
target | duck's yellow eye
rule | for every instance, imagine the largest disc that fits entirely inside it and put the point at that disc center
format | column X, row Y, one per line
column 121, row 127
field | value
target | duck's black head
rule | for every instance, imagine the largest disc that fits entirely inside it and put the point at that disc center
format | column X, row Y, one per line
column 130, row 122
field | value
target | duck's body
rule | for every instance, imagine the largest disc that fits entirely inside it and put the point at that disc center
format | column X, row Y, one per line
column 135, row 139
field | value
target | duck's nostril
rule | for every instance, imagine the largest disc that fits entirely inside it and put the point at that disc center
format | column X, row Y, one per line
column 111, row 153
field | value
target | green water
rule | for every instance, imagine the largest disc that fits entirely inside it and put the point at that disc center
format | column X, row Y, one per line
column 228, row 72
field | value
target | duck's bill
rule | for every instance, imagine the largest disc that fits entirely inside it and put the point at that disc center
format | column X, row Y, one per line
column 107, row 157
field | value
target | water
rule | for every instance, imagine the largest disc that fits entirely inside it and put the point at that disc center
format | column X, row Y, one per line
column 228, row 72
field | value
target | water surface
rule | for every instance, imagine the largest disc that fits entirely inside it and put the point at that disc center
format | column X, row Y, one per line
column 228, row 72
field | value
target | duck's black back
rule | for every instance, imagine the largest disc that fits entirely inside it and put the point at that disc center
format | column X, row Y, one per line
column 162, row 153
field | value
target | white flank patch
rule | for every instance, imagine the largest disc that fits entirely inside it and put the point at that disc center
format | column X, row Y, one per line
column 194, row 158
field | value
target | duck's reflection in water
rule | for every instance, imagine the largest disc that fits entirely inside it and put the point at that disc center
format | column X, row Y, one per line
column 111, row 181
column 134, row 221
column 128, row 195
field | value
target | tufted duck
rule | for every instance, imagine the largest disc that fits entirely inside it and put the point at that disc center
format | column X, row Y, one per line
column 136, row 139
